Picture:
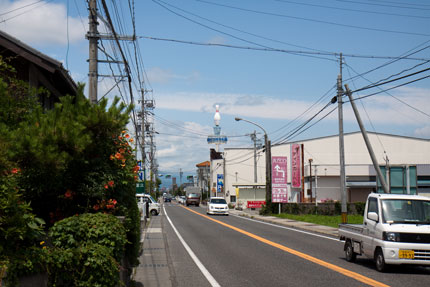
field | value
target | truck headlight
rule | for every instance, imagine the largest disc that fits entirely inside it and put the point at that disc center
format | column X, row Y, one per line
column 391, row 236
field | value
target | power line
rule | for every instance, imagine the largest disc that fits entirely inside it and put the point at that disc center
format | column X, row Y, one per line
column 383, row 5
column 353, row 10
column 239, row 30
column 30, row 10
column 314, row 20
column 294, row 52
column 392, row 88
column 224, row 33
column 393, row 80
column 403, row 102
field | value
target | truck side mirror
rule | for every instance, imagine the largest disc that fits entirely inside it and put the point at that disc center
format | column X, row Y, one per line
column 373, row 216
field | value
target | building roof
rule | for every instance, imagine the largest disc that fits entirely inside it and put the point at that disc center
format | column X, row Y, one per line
column 39, row 59
column 203, row 164
column 331, row 136
column 358, row 132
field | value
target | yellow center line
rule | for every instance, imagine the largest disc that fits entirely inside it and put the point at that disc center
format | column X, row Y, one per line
column 333, row 267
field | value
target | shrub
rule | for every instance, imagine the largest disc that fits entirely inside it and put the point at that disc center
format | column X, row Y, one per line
column 100, row 228
column 86, row 250
column 89, row 265
column 359, row 207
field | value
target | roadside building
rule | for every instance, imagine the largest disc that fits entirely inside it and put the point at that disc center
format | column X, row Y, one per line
column 408, row 159
column 203, row 172
column 37, row 69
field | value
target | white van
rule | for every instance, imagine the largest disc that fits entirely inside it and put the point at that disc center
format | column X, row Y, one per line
column 154, row 206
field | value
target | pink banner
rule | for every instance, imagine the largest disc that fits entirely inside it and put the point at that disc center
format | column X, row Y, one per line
column 295, row 166
column 279, row 179
column 255, row 203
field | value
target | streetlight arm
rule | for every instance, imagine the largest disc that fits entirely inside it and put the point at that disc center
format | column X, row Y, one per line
column 240, row 119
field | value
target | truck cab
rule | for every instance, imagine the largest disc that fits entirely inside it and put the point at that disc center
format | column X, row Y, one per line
column 395, row 230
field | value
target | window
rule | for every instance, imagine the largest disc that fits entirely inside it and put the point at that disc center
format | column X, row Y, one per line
column 218, row 201
column 232, row 198
column 373, row 205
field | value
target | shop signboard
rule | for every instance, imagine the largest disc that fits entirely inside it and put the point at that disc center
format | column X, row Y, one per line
column 279, row 179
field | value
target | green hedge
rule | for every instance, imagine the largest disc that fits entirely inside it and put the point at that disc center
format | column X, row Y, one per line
column 86, row 251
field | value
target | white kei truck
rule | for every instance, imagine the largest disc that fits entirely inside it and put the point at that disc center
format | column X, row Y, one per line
column 395, row 230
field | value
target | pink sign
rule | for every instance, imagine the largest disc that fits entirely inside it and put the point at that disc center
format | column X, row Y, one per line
column 295, row 166
column 279, row 179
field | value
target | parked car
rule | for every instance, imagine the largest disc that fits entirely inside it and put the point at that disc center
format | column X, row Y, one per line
column 217, row 205
column 192, row 198
column 395, row 230
column 154, row 206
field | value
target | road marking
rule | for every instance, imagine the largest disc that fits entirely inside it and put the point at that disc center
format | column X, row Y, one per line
column 288, row 228
column 196, row 260
column 348, row 273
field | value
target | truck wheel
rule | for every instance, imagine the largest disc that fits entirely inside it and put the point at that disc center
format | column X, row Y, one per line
column 154, row 212
column 349, row 252
column 380, row 261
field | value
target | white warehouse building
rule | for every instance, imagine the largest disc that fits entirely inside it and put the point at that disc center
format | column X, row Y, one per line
column 408, row 159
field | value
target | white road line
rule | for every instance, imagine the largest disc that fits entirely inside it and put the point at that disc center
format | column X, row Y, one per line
column 288, row 228
column 196, row 260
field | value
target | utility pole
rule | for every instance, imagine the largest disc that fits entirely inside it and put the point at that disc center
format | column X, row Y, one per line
column 341, row 146
column 93, row 37
column 302, row 192
column 367, row 141
column 254, row 138
column 310, row 176
column 142, row 141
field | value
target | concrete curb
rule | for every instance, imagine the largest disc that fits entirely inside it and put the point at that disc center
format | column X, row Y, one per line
column 300, row 225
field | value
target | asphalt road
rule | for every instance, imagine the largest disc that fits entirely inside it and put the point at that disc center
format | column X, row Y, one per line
column 237, row 251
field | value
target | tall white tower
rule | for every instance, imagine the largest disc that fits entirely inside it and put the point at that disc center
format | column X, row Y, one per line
column 217, row 138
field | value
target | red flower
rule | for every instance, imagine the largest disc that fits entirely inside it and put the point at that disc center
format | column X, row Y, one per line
column 127, row 136
column 96, row 207
column 110, row 183
column 15, row 170
column 106, row 186
column 68, row 194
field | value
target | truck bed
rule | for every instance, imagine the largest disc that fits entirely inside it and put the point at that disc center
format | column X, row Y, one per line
column 353, row 231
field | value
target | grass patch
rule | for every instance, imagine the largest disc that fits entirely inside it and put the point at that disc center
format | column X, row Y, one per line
column 328, row 220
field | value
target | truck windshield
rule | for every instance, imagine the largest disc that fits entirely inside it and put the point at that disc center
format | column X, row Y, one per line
column 406, row 211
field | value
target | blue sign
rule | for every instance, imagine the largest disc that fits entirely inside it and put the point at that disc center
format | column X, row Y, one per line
column 217, row 139
column 140, row 174
column 219, row 182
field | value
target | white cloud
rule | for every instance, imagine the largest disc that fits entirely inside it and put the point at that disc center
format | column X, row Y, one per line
column 381, row 109
column 423, row 132
column 164, row 152
column 181, row 146
column 217, row 40
column 162, row 76
column 43, row 23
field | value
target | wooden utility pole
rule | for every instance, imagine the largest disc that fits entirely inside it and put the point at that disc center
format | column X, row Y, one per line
column 93, row 37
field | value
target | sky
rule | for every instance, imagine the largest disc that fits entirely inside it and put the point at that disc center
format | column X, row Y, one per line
column 272, row 62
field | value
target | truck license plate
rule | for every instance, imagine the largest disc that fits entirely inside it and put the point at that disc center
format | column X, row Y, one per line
column 406, row 254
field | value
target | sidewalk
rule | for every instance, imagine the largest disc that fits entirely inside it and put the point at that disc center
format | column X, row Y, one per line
column 311, row 227
column 153, row 269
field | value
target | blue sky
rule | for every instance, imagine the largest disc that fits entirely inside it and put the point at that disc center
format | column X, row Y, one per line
column 271, row 88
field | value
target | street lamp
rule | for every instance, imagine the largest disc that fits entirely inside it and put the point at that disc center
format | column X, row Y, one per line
column 268, row 161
